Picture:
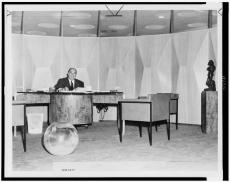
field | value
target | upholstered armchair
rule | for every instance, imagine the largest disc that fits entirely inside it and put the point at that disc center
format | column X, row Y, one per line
column 145, row 112
column 173, row 105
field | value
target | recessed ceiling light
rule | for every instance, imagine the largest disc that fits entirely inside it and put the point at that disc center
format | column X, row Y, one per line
column 48, row 25
column 117, row 27
column 87, row 35
column 194, row 25
column 187, row 13
column 161, row 16
column 78, row 15
column 82, row 27
column 154, row 27
column 36, row 33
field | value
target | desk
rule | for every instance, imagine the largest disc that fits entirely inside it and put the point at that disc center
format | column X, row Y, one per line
column 77, row 106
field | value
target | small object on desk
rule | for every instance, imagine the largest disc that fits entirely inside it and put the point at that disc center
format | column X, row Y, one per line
column 51, row 89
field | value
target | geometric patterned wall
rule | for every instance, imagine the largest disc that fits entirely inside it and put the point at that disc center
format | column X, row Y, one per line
column 153, row 64
column 136, row 65
column 190, row 50
column 81, row 53
column 117, row 65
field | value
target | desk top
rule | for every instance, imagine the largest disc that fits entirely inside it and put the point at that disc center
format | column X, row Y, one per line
column 74, row 93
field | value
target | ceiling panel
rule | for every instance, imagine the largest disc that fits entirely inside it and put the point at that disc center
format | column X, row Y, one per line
column 85, row 23
column 42, row 23
column 214, row 18
column 121, row 25
column 185, row 20
column 153, row 22
column 16, row 22
column 80, row 23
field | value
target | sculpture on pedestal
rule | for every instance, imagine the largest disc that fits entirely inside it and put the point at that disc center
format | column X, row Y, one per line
column 210, row 82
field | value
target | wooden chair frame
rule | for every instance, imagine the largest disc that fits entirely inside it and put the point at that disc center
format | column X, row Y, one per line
column 141, row 123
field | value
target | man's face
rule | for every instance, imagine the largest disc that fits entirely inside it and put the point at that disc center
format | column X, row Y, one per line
column 72, row 74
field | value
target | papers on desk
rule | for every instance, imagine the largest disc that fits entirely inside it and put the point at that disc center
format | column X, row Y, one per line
column 78, row 90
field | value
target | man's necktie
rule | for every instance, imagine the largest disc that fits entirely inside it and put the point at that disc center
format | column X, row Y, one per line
column 71, row 86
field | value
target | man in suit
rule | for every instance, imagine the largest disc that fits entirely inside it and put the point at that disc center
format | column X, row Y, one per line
column 70, row 82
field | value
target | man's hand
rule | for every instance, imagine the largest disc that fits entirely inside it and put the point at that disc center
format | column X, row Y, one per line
column 66, row 89
column 63, row 89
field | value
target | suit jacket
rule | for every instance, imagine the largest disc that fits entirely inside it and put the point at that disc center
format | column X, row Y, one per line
column 64, row 82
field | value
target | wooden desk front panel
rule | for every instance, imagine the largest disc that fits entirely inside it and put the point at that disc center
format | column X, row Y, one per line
column 76, row 109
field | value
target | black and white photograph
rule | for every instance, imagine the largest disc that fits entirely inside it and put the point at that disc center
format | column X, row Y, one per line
column 113, row 90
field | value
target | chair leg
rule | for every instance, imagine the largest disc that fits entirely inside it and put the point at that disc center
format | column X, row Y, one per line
column 121, row 129
column 23, row 134
column 140, row 130
column 150, row 135
column 156, row 127
column 168, row 129
column 176, row 121
column 15, row 131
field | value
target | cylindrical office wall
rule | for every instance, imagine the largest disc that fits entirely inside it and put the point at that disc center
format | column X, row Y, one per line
column 137, row 65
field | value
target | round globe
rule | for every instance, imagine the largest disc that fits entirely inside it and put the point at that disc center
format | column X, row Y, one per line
column 60, row 138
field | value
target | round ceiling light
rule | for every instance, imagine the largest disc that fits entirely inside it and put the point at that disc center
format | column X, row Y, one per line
column 195, row 25
column 154, row 27
column 161, row 16
column 117, row 27
column 82, row 27
column 78, row 15
column 87, row 35
column 188, row 13
column 48, row 25
column 36, row 33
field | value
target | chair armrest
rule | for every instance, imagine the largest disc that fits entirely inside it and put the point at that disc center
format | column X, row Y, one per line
column 135, row 100
column 142, row 97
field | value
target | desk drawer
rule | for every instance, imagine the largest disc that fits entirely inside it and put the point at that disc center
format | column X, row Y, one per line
column 33, row 98
column 107, row 98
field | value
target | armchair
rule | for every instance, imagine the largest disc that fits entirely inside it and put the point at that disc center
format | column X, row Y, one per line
column 173, row 105
column 145, row 112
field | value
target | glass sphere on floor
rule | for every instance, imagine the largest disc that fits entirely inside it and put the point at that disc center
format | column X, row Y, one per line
column 60, row 138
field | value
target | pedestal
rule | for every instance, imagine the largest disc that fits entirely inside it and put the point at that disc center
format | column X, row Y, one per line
column 209, row 112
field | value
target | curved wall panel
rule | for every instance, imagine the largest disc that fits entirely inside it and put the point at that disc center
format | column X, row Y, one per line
column 135, row 65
